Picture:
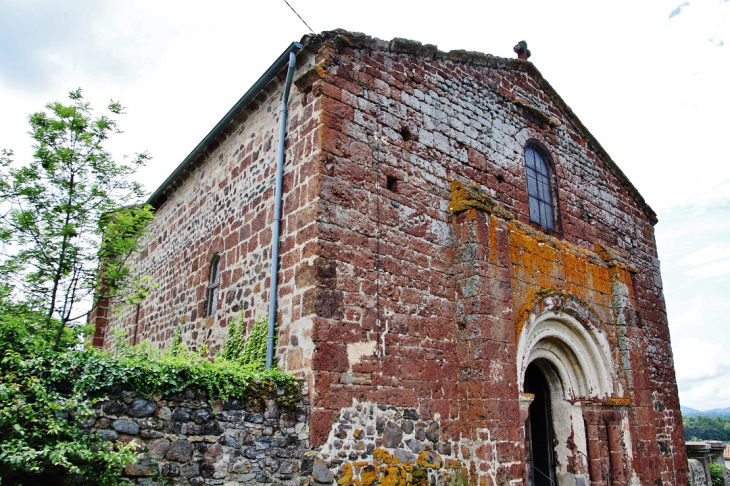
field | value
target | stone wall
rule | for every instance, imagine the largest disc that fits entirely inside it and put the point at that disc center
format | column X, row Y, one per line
column 223, row 204
column 428, row 295
column 188, row 439
column 381, row 444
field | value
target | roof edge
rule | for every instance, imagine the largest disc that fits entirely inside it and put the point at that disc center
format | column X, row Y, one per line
column 247, row 98
column 340, row 38
column 613, row 166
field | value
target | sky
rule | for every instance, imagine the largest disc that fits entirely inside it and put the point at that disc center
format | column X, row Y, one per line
column 650, row 80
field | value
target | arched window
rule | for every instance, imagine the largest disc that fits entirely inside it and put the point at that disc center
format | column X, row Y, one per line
column 213, row 284
column 539, row 191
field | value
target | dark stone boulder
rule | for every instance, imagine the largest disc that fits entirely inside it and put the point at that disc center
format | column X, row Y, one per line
column 321, row 473
column 125, row 427
column 141, row 408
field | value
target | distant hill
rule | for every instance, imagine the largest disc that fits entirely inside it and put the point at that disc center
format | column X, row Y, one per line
column 717, row 412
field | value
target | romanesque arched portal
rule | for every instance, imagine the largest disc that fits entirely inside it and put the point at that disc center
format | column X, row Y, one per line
column 566, row 376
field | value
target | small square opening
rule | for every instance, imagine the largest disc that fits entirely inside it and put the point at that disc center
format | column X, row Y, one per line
column 392, row 184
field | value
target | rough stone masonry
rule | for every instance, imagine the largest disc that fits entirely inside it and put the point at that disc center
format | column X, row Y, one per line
column 469, row 284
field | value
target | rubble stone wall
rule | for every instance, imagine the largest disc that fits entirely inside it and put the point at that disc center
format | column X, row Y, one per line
column 188, row 439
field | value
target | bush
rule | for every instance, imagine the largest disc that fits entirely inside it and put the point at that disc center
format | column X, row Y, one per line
column 717, row 474
column 47, row 395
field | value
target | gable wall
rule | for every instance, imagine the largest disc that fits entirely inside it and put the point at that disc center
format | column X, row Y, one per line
column 427, row 304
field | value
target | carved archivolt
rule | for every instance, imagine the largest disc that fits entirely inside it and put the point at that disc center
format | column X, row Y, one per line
column 570, row 346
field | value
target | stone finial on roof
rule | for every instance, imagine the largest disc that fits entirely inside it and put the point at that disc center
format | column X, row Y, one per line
column 522, row 51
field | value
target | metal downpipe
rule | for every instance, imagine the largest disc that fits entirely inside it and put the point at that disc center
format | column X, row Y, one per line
column 276, row 230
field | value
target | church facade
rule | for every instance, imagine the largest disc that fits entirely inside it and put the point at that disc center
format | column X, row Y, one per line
column 468, row 283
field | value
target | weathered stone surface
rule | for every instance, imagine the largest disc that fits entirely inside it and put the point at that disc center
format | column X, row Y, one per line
column 151, row 434
column 410, row 414
column 179, row 451
column 229, row 441
column 144, row 467
column 170, row 470
column 240, row 465
column 321, row 473
column 433, row 432
column 405, row 457
column 157, row 448
column 189, row 470
column 125, row 427
column 392, row 434
column 420, row 431
column 272, row 410
column 181, row 414
column 141, row 408
column 201, row 416
column 114, row 407
column 108, row 434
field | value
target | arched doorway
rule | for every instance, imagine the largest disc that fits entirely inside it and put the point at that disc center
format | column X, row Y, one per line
column 539, row 447
column 563, row 362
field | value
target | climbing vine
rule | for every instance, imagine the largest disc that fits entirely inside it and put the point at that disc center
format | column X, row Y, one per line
column 251, row 352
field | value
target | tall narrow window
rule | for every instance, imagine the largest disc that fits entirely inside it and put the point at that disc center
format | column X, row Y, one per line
column 542, row 207
column 213, row 284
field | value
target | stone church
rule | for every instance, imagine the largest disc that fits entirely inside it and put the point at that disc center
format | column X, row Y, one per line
column 467, row 282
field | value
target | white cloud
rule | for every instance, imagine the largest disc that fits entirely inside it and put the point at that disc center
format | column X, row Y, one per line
column 697, row 359
column 715, row 269
column 706, row 255
column 708, row 394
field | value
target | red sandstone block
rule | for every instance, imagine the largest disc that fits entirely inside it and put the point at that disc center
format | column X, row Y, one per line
column 398, row 397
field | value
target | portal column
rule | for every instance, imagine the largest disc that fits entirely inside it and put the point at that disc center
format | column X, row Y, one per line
column 594, row 435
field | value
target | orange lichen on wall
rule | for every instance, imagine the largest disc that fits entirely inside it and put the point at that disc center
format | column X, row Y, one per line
column 390, row 470
column 542, row 265
column 473, row 197
column 541, row 262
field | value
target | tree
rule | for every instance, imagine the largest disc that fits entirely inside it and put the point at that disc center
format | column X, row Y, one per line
column 67, row 209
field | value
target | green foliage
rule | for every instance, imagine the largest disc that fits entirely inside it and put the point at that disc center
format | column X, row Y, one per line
column 40, row 415
column 704, row 427
column 249, row 353
column 60, row 214
column 717, row 474
column 232, row 350
column 65, row 209
column 45, row 395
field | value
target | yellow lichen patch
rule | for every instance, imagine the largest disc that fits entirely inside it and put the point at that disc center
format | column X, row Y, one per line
column 542, row 264
column 368, row 475
column 472, row 197
column 381, row 456
column 321, row 68
column 494, row 251
column 452, row 464
column 360, row 463
column 344, row 474
column 618, row 401
column 393, row 476
column 430, row 460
